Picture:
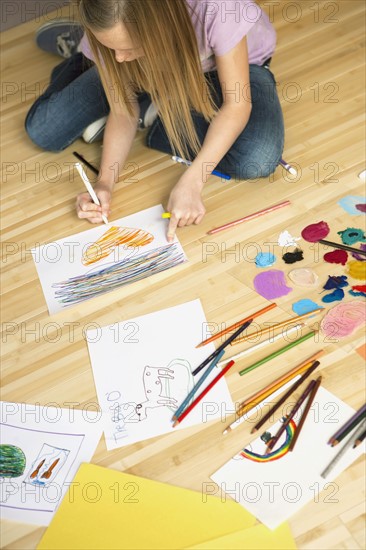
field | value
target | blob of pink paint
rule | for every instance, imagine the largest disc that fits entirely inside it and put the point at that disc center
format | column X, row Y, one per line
column 315, row 232
column 336, row 257
column 271, row 284
column 343, row 319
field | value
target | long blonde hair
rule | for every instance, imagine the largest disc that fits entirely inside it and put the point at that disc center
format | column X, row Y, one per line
column 170, row 70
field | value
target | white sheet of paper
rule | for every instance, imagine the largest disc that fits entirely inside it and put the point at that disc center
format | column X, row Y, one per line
column 274, row 490
column 67, row 281
column 46, row 446
column 142, row 371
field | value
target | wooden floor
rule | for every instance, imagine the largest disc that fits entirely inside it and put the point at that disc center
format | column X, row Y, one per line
column 319, row 66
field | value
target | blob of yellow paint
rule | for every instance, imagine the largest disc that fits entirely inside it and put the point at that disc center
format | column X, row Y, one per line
column 357, row 270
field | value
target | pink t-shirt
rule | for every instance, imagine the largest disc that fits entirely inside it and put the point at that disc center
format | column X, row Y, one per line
column 220, row 25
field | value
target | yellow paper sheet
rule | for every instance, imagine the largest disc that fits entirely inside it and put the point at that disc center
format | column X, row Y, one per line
column 106, row 509
column 254, row 538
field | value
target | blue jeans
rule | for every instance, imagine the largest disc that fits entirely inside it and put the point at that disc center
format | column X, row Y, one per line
column 75, row 98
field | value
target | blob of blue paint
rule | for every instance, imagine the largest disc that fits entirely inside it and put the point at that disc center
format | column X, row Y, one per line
column 304, row 306
column 335, row 282
column 334, row 296
column 350, row 202
column 265, row 259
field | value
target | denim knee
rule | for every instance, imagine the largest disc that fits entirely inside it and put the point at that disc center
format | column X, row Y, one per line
column 42, row 133
column 253, row 163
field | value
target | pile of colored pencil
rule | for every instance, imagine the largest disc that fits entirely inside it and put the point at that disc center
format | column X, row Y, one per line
column 348, row 426
column 212, row 361
column 355, row 428
column 306, row 368
column 273, row 388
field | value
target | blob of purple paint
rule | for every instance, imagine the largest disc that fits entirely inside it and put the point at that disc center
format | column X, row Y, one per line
column 271, row 284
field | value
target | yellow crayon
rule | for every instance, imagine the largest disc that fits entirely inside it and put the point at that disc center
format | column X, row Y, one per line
column 166, row 215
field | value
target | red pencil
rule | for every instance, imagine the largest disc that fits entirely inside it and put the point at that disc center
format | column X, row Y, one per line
column 202, row 394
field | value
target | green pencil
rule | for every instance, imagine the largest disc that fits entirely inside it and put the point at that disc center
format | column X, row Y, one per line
column 278, row 352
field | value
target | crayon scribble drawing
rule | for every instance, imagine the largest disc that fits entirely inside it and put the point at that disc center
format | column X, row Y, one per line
column 101, row 259
column 94, row 283
column 113, row 237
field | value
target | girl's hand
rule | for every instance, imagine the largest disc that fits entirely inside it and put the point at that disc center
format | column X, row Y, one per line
column 185, row 205
column 86, row 208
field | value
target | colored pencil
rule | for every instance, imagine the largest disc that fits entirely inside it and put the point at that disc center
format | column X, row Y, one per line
column 304, row 414
column 223, row 346
column 359, row 439
column 343, row 247
column 278, row 352
column 284, row 398
column 276, row 326
column 260, row 345
column 198, row 385
column 236, row 325
column 249, row 217
column 345, row 426
column 259, row 404
column 205, row 392
column 344, row 434
column 299, row 369
column 343, row 450
column 92, row 168
column 309, row 388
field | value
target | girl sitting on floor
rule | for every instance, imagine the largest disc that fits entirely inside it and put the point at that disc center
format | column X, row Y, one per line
column 204, row 66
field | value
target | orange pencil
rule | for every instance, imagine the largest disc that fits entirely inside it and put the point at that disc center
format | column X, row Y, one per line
column 236, row 325
column 202, row 394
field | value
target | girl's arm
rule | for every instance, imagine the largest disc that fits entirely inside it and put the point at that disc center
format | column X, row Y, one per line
column 185, row 202
column 119, row 134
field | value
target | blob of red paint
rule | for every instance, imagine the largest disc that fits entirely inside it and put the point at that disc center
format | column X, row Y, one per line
column 359, row 288
column 315, row 232
column 361, row 207
column 336, row 257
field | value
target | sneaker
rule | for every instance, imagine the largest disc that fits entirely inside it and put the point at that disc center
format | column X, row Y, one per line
column 60, row 37
column 95, row 130
column 148, row 111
